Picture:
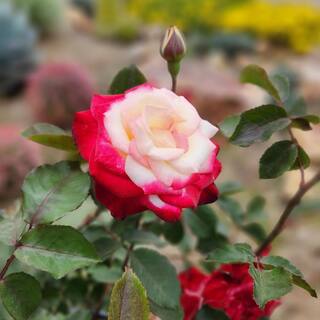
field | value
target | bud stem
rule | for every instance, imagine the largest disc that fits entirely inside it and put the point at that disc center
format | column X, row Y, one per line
column 174, row 68
column 174, row 84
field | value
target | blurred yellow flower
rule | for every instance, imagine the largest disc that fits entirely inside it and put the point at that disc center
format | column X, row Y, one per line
column 293, row 25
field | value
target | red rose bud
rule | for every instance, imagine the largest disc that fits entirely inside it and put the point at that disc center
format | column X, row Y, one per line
column 173, row 47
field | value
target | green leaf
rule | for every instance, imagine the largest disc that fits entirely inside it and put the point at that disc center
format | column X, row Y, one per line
column 297, row 277
column 207, row 313
column 103, row 274
column 270, row 284
column 51, row 191
column 56, row 249
column 281, row 83
column 256, row 231
column 278, row 159
column 295, row 106
column 173, row 232
column 228, row 125
column 45, row 315
column 128, row 299
column 258, row 76
column 20, row 294
column 302, row 158
column 276, row 261
column 258, row 124
column 78, row 315
column 233, row 208
column 302, row 283
column 158, row 276
column 166, row 313
column 229, row 187
column 228, row 253
column 202, row 221
column 106, row 246
column 50, row 136
column 143, row 237
column 303, row 123
column 127, row 78
column 255, row 209
column 11, row 229
column 206, row 245
column 314, row 119
column 208, row 216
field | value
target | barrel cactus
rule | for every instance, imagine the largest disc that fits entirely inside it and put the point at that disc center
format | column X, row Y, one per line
column 45, row 15
column 18, row 157
column 56, row 91
column 17, row 49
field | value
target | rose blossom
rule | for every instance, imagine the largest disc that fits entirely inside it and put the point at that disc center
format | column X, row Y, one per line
column 193, row 283
column 148, row 149
column 229, row 288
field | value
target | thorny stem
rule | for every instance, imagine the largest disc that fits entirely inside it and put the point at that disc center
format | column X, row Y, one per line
column 126, row 260
column 91, row 218
column 9, row 262
column 293, row 202
column 296, row 142
column 301, row 168
column 130, row 249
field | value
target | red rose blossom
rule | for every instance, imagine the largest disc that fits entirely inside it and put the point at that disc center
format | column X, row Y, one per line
column 193, row 283
column 229, row 288
column 148, row 149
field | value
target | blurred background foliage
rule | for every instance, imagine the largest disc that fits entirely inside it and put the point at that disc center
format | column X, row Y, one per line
column 290, row 24
column 55, row 53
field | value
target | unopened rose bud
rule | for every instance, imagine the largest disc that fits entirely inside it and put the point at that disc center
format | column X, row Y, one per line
column 173, row 47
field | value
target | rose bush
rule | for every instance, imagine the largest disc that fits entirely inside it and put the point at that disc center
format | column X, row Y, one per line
column 148, row 149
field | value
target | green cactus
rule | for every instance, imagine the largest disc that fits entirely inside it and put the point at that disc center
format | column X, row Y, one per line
column 45, row 15
column 17, row 49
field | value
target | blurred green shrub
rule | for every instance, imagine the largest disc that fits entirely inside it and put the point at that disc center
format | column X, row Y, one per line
column 17, row 49
column 114, row 21
column 45, row 15
column 86, row 6
column 231, row 44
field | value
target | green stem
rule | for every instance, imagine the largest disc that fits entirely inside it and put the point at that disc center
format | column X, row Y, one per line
column 174, row 68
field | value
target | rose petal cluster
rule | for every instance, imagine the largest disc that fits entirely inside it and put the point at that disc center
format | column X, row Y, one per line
column 229, row 288
column 148, row 149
